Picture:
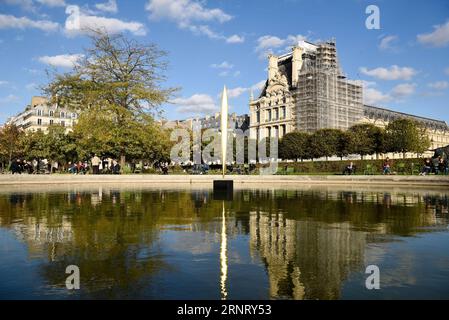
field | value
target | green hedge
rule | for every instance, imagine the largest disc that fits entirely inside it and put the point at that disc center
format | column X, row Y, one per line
column 337, row 167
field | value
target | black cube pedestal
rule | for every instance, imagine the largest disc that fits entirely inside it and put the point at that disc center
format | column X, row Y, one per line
column 223, row 189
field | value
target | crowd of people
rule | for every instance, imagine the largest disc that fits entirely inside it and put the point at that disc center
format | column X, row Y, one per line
column 94, row 166
column 20, row 166
column 107, row 165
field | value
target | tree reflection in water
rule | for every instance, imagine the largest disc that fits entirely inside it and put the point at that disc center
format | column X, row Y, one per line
column 309, row 241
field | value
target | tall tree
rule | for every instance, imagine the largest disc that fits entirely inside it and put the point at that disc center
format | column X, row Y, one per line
column 61, row 146
column 100, row 133
column 10, row 143
column 117, row 74
column 343, row 144
column 365, row 139
column 293, row 146
column 406, row 135
column 36, row 146
column 324, row 143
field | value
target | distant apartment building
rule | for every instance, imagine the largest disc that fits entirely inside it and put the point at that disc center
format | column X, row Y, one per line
column 210, row 122
column 40, row 115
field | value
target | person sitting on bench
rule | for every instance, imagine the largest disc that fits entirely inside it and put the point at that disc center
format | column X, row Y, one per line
column 350, row 169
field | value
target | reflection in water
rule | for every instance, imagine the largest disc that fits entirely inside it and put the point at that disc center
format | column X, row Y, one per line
column 150, row 243
column 223, row 257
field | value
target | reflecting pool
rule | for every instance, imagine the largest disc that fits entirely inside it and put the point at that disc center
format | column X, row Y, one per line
column 270, row 243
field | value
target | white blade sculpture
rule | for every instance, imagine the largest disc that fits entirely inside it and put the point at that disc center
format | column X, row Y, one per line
column 224, row 129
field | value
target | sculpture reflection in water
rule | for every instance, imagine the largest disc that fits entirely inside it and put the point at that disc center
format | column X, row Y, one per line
column 223, row 257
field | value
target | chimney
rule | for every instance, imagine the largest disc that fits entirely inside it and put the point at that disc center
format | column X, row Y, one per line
column 296, row 64
column 272, row 66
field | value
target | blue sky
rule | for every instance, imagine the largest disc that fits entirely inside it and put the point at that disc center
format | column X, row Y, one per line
column 211, row 43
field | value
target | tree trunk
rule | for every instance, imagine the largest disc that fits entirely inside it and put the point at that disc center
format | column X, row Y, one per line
column 10, row 158
column 122, row 162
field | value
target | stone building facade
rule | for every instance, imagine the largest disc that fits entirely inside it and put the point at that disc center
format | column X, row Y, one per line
column 210, row 122
column 306, row 90
column 40, row 115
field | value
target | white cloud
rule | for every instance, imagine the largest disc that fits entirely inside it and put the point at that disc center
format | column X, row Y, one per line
column 78, row 25
column 267, row 44
column 64, row 60
column 237, row 92
column 392, row 73
column 387, row 43
column 12, row 22
column 196, row 104
column 374, row 96
column 3, row 83
column 31, row 86
column 439, row 85
column 184, row 12
column 446, row 71
column 204, row 30
column 403, row 90
column 9, row 99
column 52, row 3
column 438, row 38
column 191, row 15
column 110, row 6
column 235, row 39
column 223, row 65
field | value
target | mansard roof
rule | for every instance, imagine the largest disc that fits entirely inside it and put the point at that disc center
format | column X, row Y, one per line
column 389, row 115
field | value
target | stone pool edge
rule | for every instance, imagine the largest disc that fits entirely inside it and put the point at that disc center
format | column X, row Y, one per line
column 436, row 181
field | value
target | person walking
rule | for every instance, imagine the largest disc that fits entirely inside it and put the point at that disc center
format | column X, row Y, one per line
column 95, row 164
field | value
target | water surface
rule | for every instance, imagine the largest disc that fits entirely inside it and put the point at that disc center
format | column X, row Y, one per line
column 170, row 243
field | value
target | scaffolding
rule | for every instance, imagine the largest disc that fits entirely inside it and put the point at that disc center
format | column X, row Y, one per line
column 325, row 98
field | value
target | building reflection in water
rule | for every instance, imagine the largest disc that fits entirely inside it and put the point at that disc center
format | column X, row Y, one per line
column 309, row 242
column 310, row 253
column 305, row 259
